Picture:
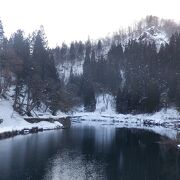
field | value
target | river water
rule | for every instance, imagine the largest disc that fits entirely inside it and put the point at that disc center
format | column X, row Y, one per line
column 89, row 153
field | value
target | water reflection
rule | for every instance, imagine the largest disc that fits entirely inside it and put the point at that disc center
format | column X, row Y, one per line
column 69, row 166
column 89, row 152
column 104, row 138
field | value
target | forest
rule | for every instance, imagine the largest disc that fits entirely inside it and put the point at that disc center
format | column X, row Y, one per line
column 142, row 76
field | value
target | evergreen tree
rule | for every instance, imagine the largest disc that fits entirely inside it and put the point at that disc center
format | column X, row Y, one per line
column 88, row 96
column 1, row 35
column 72, row 52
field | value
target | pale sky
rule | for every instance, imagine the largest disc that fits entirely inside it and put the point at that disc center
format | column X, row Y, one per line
column 69, row 20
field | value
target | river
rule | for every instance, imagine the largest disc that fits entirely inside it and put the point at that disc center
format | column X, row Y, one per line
column 86, row 152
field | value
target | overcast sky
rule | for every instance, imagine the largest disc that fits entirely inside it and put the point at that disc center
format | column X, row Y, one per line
column 69, row 20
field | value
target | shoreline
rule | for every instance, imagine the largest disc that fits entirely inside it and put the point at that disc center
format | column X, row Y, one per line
column 11, row 134
column 64, row 123
column 165, row 123
column 68, row 120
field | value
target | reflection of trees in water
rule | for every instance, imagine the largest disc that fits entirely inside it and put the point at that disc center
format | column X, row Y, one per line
column 74, row 166
column 129, row 154
column 170, row 162
column 134, row 154
column 90, row 153
column 125, row 154
column 138, row 155
column 98, row 139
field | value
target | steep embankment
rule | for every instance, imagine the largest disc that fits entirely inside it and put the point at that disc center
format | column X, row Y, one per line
column 12, row 121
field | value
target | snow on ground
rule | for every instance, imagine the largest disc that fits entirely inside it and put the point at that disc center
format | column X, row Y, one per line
column 13, row 121
column 169, row 118
column 105, row 114
column 127, row 121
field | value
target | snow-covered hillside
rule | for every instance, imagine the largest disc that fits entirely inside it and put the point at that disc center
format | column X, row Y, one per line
column 154, row 35
column 65, row 69
column 151, row 34
column 148, row 34
column 11, row 120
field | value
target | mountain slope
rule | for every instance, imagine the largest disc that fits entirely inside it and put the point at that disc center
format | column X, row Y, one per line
column 150, row 30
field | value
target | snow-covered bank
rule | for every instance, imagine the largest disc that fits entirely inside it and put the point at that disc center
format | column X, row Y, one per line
column 164, row 122
column 12, row 121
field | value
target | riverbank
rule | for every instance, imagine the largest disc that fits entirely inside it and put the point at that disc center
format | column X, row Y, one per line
column 11, row 121
column 165, row 122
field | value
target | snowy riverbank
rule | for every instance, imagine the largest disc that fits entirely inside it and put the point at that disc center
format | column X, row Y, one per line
column 12, row 121
column 165, row 122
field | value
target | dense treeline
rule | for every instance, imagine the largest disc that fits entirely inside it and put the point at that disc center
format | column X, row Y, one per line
column 28, row 64
column 141, row 77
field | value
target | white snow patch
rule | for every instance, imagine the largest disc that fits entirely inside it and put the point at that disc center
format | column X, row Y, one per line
column 122, row 73
column 153, row 34
column 105, row 104
column 65, row 69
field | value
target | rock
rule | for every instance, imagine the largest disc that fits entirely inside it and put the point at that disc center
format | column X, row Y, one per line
column 66, row 122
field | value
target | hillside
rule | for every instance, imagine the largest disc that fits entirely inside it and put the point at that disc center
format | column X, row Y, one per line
column 148, row 30
column 132, row 71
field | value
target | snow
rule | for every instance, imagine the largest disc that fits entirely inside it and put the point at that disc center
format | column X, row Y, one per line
column 65, row 69
column 153, row 34
column 119, row 120
column 133, row 121
column 122, row 73
column 104, row 115
column 13, row 121
column 105, row 104
column 149, row 34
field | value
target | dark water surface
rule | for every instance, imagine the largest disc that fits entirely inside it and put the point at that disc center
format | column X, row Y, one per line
column 87, row 152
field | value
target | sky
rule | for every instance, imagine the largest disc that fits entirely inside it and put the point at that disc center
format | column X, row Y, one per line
column 70, row 20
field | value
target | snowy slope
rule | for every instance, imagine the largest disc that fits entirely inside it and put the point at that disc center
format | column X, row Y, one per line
column 151, row 34
column 154, row 35
column 13, row 121
column 65, row 69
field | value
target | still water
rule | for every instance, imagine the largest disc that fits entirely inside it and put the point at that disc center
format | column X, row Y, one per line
column 89, row 153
